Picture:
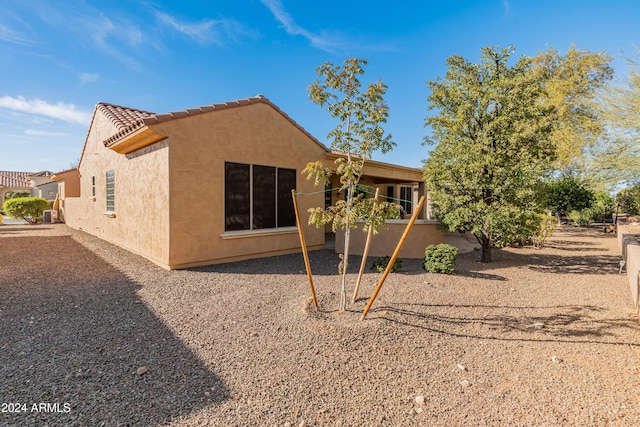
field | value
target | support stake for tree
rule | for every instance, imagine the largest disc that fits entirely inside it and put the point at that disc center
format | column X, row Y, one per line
column 304, row 250
column 393, row 257
column 366, row 248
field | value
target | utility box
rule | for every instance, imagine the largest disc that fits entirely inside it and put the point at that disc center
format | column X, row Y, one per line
column 47, row 217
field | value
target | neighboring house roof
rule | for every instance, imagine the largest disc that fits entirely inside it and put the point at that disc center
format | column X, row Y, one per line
column 129, row 120
column 20, row 179
column 58, row 176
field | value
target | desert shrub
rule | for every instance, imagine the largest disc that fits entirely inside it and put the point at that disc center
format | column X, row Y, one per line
column 380, row 264
column 548, row 225
column 581, row 218
column 28, row 208
column 440, row 258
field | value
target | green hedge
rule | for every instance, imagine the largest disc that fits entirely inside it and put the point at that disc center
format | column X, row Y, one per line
column 28, row 208
column 440, row 258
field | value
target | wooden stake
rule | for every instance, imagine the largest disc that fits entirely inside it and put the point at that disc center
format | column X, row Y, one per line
column 366, row 249
column 304, row 249
column 393, row 257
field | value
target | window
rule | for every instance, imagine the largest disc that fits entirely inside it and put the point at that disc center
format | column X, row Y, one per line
column 406, row 199
column 93, row 186
column 111, row 191
column 258, row 197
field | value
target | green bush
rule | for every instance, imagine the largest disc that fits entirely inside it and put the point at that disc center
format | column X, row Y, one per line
column 28, row 208
column 380, row 264
column 440, row 258
column 581, row 218
column 548, row 225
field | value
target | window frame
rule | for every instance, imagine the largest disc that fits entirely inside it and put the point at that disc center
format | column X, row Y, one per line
column 283, row 221
column 110, row 191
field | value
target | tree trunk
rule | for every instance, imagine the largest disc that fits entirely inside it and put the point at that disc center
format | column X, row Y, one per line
column 485, row 245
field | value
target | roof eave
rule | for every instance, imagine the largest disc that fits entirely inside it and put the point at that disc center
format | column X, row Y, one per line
column 135, row 140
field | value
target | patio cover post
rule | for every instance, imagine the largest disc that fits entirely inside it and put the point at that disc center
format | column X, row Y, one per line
column 393, row 257
column 304, row 249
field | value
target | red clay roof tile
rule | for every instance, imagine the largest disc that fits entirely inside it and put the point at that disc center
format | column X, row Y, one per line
column 128, row 120
column 10, row 179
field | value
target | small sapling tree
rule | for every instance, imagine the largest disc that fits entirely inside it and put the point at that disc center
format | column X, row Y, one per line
column 359, row 133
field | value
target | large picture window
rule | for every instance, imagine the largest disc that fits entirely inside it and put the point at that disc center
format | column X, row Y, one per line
column 258, row 197
column 111, row 191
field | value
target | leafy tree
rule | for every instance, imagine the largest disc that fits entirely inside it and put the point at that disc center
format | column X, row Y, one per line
column 492, row 133
column 16, row 194
column 602, row 206
column 568, row 193
column 572, row 83
column 359, row 133
column 629, row 200
column 616, row 157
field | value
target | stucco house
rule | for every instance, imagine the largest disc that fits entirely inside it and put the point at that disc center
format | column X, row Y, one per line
column 205, row 185
column 25, row 182
column 68, row 182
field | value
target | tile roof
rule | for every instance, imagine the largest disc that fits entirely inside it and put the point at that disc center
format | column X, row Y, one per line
column 10, row 179
column 128, row 120
column 125, row 119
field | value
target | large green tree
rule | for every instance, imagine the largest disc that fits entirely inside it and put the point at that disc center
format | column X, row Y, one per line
column 492, row 135
column 358, row 134
column 572, row 82
column 567, row 193
column 615, row 159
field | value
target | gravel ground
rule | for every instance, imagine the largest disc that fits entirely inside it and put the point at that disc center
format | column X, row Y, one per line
column 95, row 336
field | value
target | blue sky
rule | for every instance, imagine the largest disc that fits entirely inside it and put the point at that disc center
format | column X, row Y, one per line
column 59, row 58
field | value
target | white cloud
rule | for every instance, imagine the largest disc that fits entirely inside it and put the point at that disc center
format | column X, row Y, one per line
column 61, row 111
column 34, row 132
column 12, row 36
column 89, row 78
column 320, row 41
column 101, row 30
column 506, row 4
column 207, row 31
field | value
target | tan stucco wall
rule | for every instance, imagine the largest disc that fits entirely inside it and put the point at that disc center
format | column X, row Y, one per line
column 141, row 222
column 71, row 179
column 200, row 145
column 422, row 234
column 630, row 250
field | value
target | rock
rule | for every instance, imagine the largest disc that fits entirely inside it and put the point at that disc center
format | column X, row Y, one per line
column 302, row 424
column 419, row 410
column 142, row 370
column 465, row 383
column 461, row 367
column 537, row 325
column 419, row 400
column 556, row 359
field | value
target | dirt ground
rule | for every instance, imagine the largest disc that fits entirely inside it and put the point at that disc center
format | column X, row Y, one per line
column 93, row 335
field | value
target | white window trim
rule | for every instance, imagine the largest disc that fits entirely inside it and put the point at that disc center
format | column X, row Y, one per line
column 240, row 234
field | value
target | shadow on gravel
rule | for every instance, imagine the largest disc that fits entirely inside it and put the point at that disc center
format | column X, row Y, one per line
column 468, row 265
column 570, row 245
column 20, row 229
column 581, row 264
column 75, row 337
column 573, row 323
column 323, row 262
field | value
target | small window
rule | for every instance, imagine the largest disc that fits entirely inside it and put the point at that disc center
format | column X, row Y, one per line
column 111, row 191
column 93, row 186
